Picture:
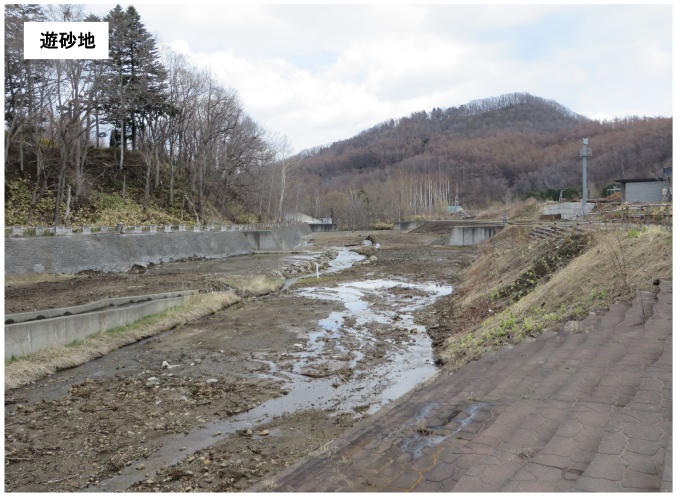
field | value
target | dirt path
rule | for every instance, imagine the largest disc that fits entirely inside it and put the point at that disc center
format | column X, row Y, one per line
column 232, row 399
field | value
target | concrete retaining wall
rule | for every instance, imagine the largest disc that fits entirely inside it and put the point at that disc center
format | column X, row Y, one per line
column 29, row 337
column 407, row 225
column 93, row 306
column 566, row 210
column 288, row 237
column 262, row 240
column 112, row 252
column 472, row 235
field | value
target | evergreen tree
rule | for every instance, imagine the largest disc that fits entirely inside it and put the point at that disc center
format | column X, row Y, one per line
column 137, row 77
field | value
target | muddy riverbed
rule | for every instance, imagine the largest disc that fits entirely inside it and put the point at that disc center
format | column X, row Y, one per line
column 230, row 400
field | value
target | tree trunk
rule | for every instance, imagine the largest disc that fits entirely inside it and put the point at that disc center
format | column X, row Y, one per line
column 147, row 183
column 157, row 180
column 96, row 126
column 60, row 190
column 80, row 165
column 283, row 190
column 122, row 145
column 172, row 181
column 67, row 215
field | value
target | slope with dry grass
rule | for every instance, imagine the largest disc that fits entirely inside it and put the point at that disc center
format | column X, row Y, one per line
column 519, row 287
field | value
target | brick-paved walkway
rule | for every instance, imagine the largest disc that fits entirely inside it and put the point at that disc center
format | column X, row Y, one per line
column 589, row 410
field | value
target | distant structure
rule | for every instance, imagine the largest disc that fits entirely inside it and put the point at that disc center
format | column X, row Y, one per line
column 646, row 189
column 585, row 152
column 301, row 218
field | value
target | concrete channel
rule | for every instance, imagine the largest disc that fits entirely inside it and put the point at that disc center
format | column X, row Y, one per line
column 30, row 332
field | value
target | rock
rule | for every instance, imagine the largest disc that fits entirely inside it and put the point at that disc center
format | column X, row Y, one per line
column 141, row 466
column 264, row 432
column 373, row 259
column 211, row 381
column 165, row 365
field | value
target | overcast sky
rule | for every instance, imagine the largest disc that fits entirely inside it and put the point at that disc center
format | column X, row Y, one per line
column 320, row 73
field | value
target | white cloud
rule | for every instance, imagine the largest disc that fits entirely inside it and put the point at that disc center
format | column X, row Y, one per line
column 320, row 73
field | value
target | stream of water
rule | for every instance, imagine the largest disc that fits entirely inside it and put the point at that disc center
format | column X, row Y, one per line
column 338, row 343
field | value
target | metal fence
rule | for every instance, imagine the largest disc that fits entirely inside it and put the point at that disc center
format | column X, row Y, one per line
column 640, row 215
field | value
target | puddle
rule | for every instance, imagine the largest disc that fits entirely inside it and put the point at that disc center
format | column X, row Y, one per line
column 338, row 342
column 416, row 443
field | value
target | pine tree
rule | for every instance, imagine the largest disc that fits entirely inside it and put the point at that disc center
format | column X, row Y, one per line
column 137, row 77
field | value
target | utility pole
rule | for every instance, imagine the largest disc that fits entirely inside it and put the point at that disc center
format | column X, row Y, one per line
column 585, row 152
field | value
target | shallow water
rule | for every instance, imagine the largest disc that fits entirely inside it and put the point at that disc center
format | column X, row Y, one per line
column 337, row 341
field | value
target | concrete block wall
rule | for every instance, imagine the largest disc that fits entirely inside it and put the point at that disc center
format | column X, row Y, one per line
column 113, row 252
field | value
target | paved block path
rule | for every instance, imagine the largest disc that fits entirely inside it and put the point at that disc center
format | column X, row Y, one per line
column 582, row 410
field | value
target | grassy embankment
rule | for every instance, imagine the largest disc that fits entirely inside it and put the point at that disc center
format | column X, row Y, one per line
column 29, row 368
column 518, row 287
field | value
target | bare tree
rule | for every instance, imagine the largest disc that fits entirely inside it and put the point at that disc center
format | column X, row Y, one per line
column 285, row 149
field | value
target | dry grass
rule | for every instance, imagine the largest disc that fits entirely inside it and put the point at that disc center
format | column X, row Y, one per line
column 526, row 210
column 613, row 266
column 50, row 360
column 616, row 265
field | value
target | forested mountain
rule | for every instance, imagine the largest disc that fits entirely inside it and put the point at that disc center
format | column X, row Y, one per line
column 487, row 150
column 145, row 129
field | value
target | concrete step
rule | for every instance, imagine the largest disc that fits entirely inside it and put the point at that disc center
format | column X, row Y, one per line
column 544, row 232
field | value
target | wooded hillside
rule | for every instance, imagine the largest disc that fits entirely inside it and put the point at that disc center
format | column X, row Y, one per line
column 488, row 151
column 146, row 137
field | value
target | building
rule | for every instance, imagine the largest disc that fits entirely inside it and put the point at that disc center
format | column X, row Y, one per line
column 300, row 218
column 654, row 190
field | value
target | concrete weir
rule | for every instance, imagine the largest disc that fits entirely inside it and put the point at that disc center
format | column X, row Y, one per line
column 407, row 225
column 470, row 235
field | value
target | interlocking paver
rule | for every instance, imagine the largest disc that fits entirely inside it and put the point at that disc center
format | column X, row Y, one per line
column 640, row 481
column 667, row 478
column 588, row 411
